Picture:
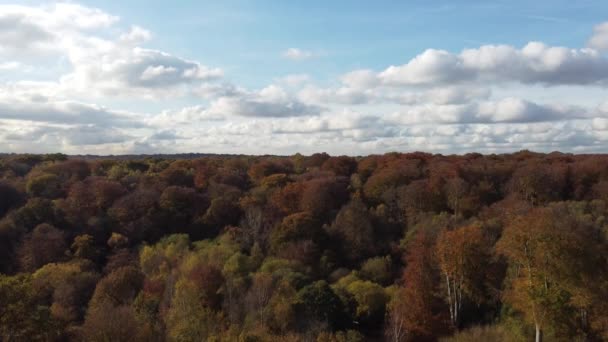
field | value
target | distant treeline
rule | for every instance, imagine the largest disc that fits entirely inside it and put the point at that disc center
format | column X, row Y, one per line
column 395, row 247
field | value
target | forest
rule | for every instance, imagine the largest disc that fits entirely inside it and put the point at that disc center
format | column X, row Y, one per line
column 394, row 247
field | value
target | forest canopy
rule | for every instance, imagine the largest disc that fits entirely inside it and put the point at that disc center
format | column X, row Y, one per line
column 395, row 247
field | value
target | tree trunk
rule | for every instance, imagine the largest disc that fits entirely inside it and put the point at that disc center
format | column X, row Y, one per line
column 539, row 334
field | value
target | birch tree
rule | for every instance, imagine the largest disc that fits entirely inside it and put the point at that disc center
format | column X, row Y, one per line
column 460, row 253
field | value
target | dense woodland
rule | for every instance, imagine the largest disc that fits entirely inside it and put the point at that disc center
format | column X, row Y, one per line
column 395, row 247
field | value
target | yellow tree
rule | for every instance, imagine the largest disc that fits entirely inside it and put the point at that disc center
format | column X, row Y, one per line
column 460, row 253
column 547, row 250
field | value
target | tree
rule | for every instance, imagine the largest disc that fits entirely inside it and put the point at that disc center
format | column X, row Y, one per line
column 460, row 196
column 178, row 175
column 321, row 304
column 539, row 183
column 22, row 315
column 137, row 214
column 266, row 168
column 69, row 286
column 208, row 279
column 221, row 213
column 378, row 270
column 550, row 253
column 118, row 288
column 107, row 322
column 340, row 166
column 287, row 199
column 43, row 245
column 321, row 196
column 395, row 328
column 460, row 254
column 422, row 320
column 417, row 198
column 369, row 301
column 45, row 185
column 259, row 296
column 299, row 226
column 188, row 319
column 91, row 198
column 9, row 197
column 354, row 231
column 394, row 173
column 84, row 247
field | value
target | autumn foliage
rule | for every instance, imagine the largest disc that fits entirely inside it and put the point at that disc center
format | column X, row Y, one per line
column 395, row 247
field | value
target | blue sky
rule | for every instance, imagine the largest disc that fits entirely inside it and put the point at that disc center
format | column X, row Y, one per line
column 346, row 77
column 349, row 34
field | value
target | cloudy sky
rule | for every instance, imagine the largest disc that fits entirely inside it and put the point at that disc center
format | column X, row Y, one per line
column 259, row 77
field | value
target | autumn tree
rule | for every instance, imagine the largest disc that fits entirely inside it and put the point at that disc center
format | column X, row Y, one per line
column 392, row 174
column 69, row 285
column 9, row 197
column 324, row 195
column 395, row 329
column 137, row 214
column 553, row 254
column 422, row 319
column 353, row 230
column 23, row 316
column 340, row 166
column 461, row 256
column 118, row 288
column 43, row 245
column 45, row 185
column 106, row 322
column 539, row 183
column 319, row 303
column 266, row 168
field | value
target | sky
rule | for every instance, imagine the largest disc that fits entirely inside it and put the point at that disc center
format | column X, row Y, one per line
column 283, row 77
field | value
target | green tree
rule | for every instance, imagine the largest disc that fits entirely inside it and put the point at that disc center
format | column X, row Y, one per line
column 321, row 304
column 23, row 316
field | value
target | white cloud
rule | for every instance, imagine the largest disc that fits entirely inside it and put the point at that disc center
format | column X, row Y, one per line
column 507, row 110
column 297, row 54
column 535, row 63
column 295, row 80
column 29, row 107
column 361, row 79
column 105, row 60
column 10, row 66
column 271, row 101
column 342, row 95
column 136, row 35
column 187, row 116
column 599, row 39
column 119, row 71
column 477, row 99
column 26, row 29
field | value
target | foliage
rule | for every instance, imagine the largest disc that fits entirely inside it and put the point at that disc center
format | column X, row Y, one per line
column 401, row 246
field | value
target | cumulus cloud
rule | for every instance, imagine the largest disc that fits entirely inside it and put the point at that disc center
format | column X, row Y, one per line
column 342, row 95
column 117, row 71
column 102, row 62
column 10, row 66
column 448, row 95
column 361, row 79
column 26, row 29
column 508, row 110
column 440, row 101
column 271, row 101
column 535, row 63
column 64, row 112
column 136, row 35
column 599, row 39
column 185, row 116
column 297, row 54
column 295, row 80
